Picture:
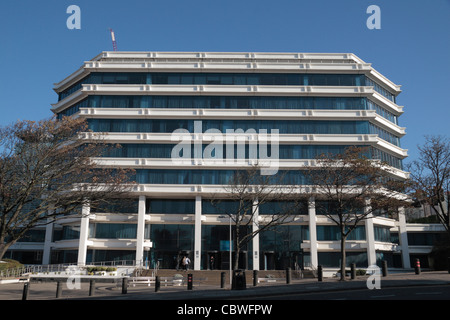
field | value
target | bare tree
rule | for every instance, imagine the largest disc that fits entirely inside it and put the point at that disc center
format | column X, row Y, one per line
column 356, row 188
column 430, row 177
column 47, row 171
column 250, row 191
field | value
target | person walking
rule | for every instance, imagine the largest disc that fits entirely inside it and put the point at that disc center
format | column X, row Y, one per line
column 211, row 262
column 187, row 263
column 183, row 263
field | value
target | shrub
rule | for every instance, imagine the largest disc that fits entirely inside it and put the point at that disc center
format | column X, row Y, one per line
column 360, row 272
column 100, row 269
column 9, row 263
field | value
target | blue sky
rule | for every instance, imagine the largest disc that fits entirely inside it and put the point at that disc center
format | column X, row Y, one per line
column 412, row 48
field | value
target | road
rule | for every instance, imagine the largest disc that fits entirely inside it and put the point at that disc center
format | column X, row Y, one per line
column 431, row 292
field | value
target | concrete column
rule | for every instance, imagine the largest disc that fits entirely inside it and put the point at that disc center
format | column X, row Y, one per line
column 255, row 226
column 370, row 236
column 198, row 233
column 313, row 232
column 140, row 232
column 403, row 237
column 47, row 243
column 84, row 233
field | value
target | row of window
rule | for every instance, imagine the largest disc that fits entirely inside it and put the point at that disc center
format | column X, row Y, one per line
column 378, row 88
column 213, row 176
column 229, row 102
column 164, row 151
column 279, row 79
column 187, row 206
column 385, row 135
column 129, row 231
column 283, row 126
column 167, row 257
column 203, row 176
column 297, row 232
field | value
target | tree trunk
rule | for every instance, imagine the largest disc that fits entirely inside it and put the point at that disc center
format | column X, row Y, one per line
column 236, row 258
column 3, row 248
column 236, row 248
column 343, row 258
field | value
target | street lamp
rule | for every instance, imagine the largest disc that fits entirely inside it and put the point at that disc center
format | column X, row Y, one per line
column 229, row 247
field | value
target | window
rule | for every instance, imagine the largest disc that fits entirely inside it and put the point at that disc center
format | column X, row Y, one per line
column 117, row 206
column 176, row 206
column 382, row 234
column 224, row 207
column 280, row 207
column 113, row 231
column 333, row 233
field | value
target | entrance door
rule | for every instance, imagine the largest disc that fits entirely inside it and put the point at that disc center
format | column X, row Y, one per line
column 269, row 260
column 213, row 260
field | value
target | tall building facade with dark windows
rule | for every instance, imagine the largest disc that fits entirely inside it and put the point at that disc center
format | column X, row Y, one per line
column 318, row 102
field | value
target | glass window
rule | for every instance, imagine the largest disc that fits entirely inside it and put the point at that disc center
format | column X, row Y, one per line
column 332, row 259
column 280, row 207
column 283, row 238
column 333, row 233
column 423, row 238
column 173, row 237
column 115, row 231
column 33, row 235
column 222, row 207
column 382, row 234
column 176, row 206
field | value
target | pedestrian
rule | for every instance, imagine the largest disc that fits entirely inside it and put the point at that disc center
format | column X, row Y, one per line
column 187, row 263
column 211, row 263
column 183, row 263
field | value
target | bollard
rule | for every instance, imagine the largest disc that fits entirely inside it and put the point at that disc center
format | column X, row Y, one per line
column 91, row 288
column 26, row 289
column 353, row 271
column 157, row 283
column 384, row 268
column 255, row 278
column 417, row 267
column 58, row 289
column 222, row 279
column 124, row 285
column 319, row 273
column 189, row 284
column 288, row 275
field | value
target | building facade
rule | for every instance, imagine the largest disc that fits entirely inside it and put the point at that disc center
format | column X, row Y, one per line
column 317, row 103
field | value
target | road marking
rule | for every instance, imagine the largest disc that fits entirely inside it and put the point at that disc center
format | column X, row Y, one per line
column 384, row 296
column 428, row 292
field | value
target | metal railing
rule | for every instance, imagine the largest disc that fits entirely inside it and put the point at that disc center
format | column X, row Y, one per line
column 312, row 267
column 17, row 272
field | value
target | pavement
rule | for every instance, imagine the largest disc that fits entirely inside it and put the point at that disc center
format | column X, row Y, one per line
column 112, row 290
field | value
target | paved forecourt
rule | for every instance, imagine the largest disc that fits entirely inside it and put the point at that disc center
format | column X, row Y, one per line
column 113, row 290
